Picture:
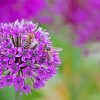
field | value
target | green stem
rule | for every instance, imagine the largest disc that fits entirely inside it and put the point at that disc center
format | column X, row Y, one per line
column 17, row 95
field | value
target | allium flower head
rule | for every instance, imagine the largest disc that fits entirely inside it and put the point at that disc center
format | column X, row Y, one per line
column 26, row 53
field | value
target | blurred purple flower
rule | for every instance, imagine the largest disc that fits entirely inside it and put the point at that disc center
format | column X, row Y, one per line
column 11, row 10
column 83, row 16
column 28, row 56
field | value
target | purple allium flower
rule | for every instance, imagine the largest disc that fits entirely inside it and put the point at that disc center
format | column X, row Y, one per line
column 18, row 81
column 24, row 53
column 36, row 85
column 3, row 63
column 83, row 17
column 1, row 83
column 28, row 55
column 50, row 72
column 39, row 82
column 28, row 72
column 38, row 10
column 8, row 80
column 26, row 89
column 14, row 67
column 18, row 9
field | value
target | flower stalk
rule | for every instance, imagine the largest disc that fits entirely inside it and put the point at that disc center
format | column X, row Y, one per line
column 17, row 95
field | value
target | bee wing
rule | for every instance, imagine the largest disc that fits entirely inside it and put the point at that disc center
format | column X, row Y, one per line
column 33, row 44
column 58, row 49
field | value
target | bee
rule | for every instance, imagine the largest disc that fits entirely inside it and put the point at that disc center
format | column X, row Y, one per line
column 58, row 49
column 48, row 50
column 30, row 41
column 34, row 44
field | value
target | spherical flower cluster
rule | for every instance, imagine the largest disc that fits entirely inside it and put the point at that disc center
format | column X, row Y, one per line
column 27, row 57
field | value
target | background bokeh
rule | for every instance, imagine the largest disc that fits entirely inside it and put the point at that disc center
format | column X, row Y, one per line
column 78, row 76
